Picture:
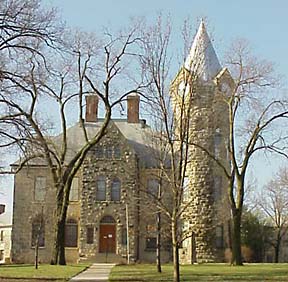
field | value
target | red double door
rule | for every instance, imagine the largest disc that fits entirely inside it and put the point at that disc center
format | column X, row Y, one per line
column 107, row 242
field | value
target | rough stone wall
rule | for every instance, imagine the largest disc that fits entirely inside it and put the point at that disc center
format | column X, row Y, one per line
column 92, row 211
column 200, row 175
column 208, row 117
column 5, row 245
column 26, row 208
column 147, row 215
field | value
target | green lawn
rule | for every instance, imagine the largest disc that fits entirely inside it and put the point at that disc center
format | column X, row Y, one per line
column 208, row 272
column 44, row 271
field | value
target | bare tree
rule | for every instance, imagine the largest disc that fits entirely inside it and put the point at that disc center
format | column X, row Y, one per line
column 255, row 115
column 273, row 201
column 171, row 113
column 81, row 66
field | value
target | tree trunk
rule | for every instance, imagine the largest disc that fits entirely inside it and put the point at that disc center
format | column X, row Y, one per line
column 58, row 255
column 277, row 248
column 158, row 251
column 176, row 268
column 236, row 237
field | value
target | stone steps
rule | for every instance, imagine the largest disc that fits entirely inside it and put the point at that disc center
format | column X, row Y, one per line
column 103, row 258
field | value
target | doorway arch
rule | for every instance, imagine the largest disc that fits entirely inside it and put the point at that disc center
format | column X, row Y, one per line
column 107, row 236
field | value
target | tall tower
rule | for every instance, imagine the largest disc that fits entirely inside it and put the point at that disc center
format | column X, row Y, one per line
column 201, row 82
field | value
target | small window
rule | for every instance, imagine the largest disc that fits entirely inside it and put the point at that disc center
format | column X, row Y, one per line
column 217, row 187
column 217, row 143
column 74, row 192
column 101, row 188
column 151, row 243
column 40, row 188
column 99, row 154
column 186, row 194
column 71, row 233
column 2, row 236
column 90, row 235
column 219, row 237
column 116, row 190
column 108, row 152
column 124, row 236
column 38, row 232
column 117, row 152
column 153, row 186
column 1, row 255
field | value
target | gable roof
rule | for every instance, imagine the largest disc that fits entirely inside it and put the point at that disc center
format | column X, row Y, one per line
column 136, row 134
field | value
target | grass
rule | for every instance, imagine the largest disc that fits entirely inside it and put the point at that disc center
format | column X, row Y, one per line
column 44, row 271
column 208, row 272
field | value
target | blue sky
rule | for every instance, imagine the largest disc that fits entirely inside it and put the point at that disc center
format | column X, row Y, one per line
column 263, row 23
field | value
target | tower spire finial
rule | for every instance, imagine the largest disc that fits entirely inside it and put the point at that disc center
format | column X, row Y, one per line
column 202, row 58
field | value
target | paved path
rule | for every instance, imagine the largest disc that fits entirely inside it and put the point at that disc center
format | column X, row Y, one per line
column 96, row 272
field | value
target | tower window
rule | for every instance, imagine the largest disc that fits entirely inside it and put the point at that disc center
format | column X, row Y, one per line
column 153, row 186
column 40, row 188
column 38, row 232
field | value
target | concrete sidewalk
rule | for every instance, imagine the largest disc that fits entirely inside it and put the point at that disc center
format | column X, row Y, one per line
column 96, row 272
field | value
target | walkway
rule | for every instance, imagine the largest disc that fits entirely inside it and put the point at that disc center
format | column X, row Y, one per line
column 96, row 272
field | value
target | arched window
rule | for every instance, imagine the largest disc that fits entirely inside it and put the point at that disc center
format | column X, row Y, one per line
column 101, row 188
column 116, row 190
column 107, row 219
column 38, row 232
column 71, row 233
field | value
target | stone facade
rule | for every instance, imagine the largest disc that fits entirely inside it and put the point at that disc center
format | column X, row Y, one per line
column 105, row 200
column 201, row 90
column 108, row 199
column 5, row 243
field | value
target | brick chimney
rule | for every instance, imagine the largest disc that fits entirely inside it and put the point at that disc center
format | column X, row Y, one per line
column 133, row 101
column 91, row 108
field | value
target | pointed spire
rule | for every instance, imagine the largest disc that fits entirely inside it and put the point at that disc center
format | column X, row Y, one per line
column 202, row 58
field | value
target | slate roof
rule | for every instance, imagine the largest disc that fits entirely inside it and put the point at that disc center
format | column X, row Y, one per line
column 136, row 134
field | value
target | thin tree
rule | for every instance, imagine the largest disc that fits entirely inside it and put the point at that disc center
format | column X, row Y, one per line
column 172, row 130
column 274, row 203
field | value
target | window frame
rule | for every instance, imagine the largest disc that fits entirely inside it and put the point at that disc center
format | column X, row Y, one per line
column 42, row 189
column 114, row 181
column 35, row 229
column 74, row 181
column 148, row 241
column 71, row 239
column 101, row 179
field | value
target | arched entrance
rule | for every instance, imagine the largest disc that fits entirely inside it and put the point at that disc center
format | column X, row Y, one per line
column 107, row 239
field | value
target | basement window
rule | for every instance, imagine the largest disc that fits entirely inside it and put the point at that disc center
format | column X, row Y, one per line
column 151, row 243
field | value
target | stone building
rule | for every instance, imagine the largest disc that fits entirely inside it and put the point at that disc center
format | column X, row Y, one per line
column 5, row 236
column 106, row 199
